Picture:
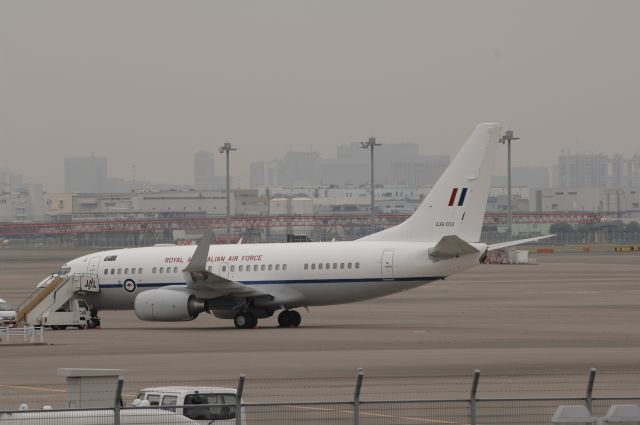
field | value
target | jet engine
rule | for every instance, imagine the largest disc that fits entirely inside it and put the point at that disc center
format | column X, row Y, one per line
column 167, row 305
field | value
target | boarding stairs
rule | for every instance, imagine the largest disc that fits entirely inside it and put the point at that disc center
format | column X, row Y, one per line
column 53, row 294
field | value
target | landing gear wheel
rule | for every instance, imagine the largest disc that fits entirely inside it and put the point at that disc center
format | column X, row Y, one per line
column 297, row 319
column 82, row 327
column 246, row 320
column 285, row 320
column 289, row 319
column 96, row 321
column 91, row 323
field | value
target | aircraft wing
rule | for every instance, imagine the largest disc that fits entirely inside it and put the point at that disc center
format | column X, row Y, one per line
column 518, row 242
column 451, row 246
column 199, row 278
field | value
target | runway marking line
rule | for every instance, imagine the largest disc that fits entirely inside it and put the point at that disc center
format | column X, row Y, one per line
column 20, row 387
column 381, row 415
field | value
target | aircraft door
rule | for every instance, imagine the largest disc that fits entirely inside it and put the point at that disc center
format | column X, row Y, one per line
column 224, row 270
column 92, row 266
column 387, row 264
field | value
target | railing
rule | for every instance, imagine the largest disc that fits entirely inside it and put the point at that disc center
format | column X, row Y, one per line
column 37, row 297
column 472, row 410
column 26, row 334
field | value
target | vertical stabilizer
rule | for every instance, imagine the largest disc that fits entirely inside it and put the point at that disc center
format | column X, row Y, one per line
column 457, row 202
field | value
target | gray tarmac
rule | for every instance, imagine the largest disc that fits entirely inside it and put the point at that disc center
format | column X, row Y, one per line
column 533, row 330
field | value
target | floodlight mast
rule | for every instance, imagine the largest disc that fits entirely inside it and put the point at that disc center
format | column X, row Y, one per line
column 371, row 144
column 507, row 138
column 226, row 148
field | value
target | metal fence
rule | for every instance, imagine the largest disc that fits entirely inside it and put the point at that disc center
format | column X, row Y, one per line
column 472, row 410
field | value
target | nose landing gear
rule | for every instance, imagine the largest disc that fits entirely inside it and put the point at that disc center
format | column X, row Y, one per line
column 289, row 319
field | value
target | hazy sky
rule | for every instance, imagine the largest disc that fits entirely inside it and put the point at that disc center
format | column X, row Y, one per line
column 150, row 82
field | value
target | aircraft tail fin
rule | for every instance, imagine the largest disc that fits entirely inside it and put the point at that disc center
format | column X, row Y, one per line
column 457, row 202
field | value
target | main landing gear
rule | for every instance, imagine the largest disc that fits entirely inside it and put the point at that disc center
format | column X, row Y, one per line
column 245, row 320
column 289, row 319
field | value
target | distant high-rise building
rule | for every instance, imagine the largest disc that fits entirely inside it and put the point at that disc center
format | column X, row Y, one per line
column 204, row 177
column 580, row 170
column 85, row 175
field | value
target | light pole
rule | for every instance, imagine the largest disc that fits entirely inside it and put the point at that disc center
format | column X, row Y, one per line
column 370, row 144
column 507, row 138
column 226, row 148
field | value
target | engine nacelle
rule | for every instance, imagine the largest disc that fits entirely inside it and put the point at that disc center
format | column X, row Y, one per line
column 167, row 305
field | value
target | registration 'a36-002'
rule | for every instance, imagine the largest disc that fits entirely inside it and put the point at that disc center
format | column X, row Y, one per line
column 445, row 224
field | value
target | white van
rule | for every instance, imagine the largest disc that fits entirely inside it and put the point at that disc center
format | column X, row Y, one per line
column 201, row 404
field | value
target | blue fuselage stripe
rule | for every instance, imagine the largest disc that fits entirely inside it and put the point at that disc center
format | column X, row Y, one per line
column 292, row 282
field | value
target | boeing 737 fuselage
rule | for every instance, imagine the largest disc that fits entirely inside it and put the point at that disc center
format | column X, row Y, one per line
column 247, row 282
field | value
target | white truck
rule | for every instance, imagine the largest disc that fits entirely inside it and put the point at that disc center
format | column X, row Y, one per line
column 75, row 312
column 204, row 405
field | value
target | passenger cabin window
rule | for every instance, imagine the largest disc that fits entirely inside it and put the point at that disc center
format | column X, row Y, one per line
column 342, row 265
column 277, row 266
column 313, row 266
column 139, row 270
column 175, row 270
column 119, row 271
column 126, row 271
column 357, row 265
column 284, row 267
column 233, row 268
column 133, row 270
column 349, row 265
column 263, row 267
column 106, row 271
column 113, row 271
column 335, row 265
column 240, row 268
column 155, row 269
column 270, row 267
column 224, row 268
column 255, row 268
column 161, row 270
column 319, row 266
column 327, row 266
column 306, row 266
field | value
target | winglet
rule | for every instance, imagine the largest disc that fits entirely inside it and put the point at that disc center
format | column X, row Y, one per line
column 198, row 262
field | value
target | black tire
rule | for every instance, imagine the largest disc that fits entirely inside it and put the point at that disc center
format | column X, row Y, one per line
column 82, row 327
column 285, row 319
column 253, row 321
column 96, row 321
column 296, row 318
column 91, row 324
column 245, row 320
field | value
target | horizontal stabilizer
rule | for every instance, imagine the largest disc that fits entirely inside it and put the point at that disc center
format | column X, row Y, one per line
column 451, row 246
column 518, row 242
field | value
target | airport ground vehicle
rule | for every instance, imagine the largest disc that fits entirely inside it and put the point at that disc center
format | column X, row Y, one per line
column 75, row 312
column 205, row 404
column 7, row 314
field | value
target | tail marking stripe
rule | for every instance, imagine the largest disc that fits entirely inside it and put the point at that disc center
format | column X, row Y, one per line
column 453, row 196
column 462, row 195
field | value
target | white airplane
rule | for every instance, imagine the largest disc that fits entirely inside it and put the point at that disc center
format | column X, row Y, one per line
column 247, row 282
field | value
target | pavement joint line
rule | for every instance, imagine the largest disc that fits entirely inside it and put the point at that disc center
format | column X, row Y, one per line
column 21, row 387
column 380, row 415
